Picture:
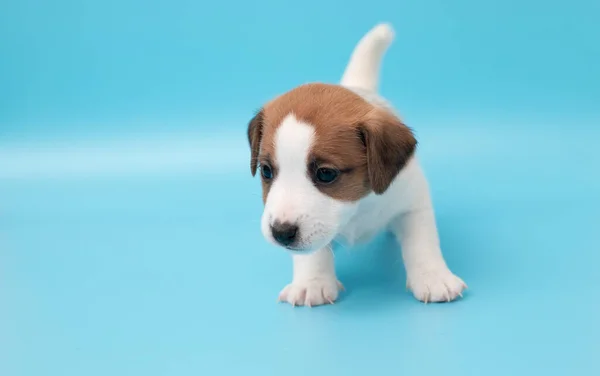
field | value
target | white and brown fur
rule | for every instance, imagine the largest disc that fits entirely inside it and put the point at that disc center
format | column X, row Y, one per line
column 350, row 130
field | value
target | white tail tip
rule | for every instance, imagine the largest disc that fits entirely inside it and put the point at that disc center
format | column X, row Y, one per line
column 364, row 65
column 384, row 32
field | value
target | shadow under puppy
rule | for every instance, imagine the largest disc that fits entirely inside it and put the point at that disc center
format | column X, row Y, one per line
column 337, row 164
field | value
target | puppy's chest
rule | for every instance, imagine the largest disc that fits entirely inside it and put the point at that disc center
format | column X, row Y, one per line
column 369, row 220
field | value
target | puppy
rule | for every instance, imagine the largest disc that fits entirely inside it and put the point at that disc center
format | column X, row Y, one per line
column 337, row 164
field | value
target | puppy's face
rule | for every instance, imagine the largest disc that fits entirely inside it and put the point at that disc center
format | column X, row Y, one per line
column 319, row 149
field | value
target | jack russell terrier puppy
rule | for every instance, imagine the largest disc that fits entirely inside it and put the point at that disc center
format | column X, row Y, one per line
column 337, row 164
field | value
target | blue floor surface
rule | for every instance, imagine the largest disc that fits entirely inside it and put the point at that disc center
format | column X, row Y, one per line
column 116, row 264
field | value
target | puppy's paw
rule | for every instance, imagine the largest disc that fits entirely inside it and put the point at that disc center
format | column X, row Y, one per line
column 311, row 292
column 435, row 285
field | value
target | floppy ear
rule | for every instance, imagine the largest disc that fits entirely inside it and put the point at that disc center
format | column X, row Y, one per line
column 255, row 129
column 389, row 145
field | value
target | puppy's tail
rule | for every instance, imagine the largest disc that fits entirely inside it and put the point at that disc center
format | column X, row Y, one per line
column 363, row 68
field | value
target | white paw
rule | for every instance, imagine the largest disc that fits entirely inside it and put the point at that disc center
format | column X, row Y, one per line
column 312, row 292
column 435, row 285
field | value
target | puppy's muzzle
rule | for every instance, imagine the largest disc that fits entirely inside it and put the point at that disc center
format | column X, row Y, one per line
column 285, row 233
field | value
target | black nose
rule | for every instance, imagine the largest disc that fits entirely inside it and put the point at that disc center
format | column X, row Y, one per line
column 284, row 233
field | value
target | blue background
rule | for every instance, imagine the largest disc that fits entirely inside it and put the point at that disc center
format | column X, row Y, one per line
column 129, row 224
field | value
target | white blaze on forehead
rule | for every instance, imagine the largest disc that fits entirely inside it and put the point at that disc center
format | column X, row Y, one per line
column 292, row 191
column 293, row 141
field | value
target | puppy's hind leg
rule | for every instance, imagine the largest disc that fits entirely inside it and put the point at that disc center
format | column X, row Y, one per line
column 363, row 68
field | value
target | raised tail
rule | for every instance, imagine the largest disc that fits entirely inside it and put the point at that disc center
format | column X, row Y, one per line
column 363, row 68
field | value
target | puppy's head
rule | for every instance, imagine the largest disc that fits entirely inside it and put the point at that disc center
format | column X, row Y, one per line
column 319, row 149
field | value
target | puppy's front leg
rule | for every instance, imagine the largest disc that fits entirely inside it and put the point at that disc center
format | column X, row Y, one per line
column 427, row 274
column 314, row 281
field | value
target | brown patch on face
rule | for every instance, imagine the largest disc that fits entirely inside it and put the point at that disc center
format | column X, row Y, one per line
column 367, row 145
column 339, row 146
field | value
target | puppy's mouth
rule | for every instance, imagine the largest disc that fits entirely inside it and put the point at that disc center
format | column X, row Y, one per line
column 299, row 250
column 295, row 237
column 302, row 248
column 296, row 248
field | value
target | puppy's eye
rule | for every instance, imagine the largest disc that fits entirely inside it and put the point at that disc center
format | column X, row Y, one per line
column 266, row 172
column 326, row 175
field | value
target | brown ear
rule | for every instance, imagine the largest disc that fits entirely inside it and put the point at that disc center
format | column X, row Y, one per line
column 255, row 128
column 389, row 145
